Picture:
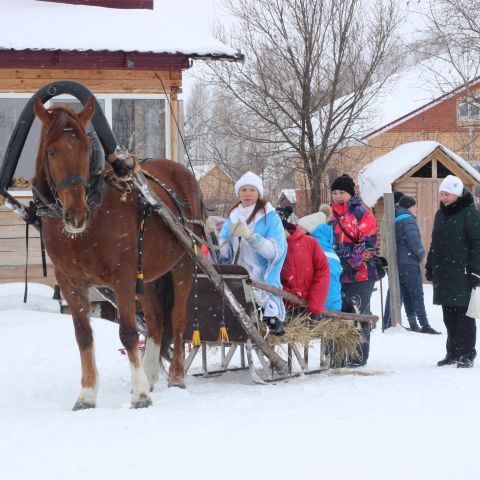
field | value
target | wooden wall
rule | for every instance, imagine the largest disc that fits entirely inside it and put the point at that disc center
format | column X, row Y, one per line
column 29, row 80
column 13, row 250
column 24, row 80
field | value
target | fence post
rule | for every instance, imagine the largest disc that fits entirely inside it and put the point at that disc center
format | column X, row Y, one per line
column 393, row 281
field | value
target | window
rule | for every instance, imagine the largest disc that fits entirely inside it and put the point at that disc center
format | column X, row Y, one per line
column 469, row 109
column 139, row 123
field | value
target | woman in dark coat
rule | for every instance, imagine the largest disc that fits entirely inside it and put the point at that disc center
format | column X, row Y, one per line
column 453, row 265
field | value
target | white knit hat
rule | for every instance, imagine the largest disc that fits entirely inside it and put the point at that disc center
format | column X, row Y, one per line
column 252, row 179
column 452, row 184
column 311, row 222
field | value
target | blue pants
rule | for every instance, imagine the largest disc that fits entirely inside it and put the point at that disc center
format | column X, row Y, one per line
column 411, row 286
column 411, row 295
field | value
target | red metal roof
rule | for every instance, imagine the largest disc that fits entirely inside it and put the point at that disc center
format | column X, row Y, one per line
column 92, row 59
column 144, row 4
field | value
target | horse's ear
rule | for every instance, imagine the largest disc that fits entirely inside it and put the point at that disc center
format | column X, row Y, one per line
column 40, row 111
column 87, row 112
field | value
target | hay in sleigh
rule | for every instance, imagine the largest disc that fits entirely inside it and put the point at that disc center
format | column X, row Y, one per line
column 342, row 337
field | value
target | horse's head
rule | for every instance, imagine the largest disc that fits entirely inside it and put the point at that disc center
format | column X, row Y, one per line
column 63, row 160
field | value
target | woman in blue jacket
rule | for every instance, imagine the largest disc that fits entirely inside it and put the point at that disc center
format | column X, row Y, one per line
column 253, row 237
column 316, row 225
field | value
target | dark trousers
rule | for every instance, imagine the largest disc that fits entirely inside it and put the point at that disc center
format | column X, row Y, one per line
column 461, row 331
column 411, row 295
column 411, row 287
column 356, row 297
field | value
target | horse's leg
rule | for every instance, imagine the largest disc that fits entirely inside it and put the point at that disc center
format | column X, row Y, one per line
column 129, row 338
column 182, row 279
column 153, row 312
column 79, row 304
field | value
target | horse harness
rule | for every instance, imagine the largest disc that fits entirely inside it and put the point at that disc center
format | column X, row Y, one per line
column 53, row 209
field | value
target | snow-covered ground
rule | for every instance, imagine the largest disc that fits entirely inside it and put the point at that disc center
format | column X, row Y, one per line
column 408, row 419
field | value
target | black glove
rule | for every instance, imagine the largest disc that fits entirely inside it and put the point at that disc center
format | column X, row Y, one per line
column 428, row 275
column 474, row 279
column 120, row 168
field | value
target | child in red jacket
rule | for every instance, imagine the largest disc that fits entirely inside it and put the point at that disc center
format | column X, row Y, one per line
column 306, row 272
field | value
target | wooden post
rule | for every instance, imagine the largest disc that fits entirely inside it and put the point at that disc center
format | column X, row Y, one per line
column 393, row 281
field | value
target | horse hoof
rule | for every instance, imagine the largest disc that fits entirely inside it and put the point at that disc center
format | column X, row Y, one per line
column 177, row 384
column 145, row 403
column 82, row 406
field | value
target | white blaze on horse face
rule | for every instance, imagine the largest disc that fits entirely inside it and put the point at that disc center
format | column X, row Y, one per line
column 151, row 361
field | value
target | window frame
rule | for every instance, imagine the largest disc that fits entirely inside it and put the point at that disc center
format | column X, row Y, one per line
column 107, row 98
column 468, row 101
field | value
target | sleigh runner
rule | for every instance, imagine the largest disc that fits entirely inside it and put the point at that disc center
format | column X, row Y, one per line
column 232, row 288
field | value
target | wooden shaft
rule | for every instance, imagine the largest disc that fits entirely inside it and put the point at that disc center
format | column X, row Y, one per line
column 328, row 313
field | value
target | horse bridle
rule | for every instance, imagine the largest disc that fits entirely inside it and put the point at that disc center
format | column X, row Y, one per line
column 54, row 208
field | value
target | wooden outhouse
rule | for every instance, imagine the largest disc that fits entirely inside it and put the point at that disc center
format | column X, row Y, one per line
column 132, row 57
column 416, row 169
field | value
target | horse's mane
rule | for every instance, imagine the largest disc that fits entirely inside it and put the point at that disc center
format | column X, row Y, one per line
column 62, row 119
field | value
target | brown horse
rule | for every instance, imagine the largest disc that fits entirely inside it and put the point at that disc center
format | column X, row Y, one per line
column 99, row 248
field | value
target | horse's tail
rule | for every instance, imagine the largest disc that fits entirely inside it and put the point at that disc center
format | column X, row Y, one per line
column 164, row 290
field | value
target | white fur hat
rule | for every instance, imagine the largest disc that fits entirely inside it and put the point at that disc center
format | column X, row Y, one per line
column 452, row 184
column 249, row 178
column 311, row 222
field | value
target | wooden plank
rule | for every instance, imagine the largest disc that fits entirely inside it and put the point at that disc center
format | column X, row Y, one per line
column 98, row 74
column 393, row 279
column 96, row 86
column 99, row 81
column 58, row 73
column 9, row 274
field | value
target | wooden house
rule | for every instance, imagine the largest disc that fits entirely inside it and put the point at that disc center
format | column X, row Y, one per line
column 217, row 187
column 416, row 169
column 416, row 104
column 286, row 198
column 131, row 57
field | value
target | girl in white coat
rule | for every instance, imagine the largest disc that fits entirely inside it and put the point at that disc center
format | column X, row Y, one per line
column 256, row 240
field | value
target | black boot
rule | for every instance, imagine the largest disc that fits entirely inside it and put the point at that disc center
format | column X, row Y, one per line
column 414, row 328
column 429, row 329
column 275, row 325
column 448, row 360
column 465, row 362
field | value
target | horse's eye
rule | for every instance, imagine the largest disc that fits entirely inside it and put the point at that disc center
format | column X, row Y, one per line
column 51, row 152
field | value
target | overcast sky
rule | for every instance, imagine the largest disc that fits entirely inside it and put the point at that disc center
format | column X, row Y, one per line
column 201, row 15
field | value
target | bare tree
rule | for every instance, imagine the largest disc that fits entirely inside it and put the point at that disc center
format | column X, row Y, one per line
column 453, row 40
column 312, row 68
column 454, row 32
column 219, row 130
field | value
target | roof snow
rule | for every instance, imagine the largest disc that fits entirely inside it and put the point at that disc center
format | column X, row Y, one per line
column 410, row 91
column 201, row 170
column 290, row 194
column 377, row 177
column 29, row 24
